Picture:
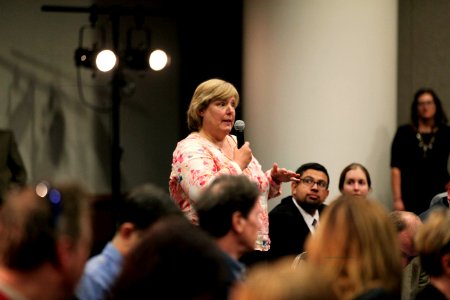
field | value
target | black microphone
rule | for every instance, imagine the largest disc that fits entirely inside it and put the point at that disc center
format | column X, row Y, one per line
column 239, row 126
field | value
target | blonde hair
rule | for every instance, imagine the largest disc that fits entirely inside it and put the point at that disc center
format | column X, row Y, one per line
column 433, row 241
column 280, row 281
column 207, row 91
column 356, row 243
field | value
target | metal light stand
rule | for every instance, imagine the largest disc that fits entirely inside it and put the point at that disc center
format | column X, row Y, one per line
column 114, row 12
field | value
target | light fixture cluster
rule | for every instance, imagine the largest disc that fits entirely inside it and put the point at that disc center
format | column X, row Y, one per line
column 136, row 57
column 105, row 60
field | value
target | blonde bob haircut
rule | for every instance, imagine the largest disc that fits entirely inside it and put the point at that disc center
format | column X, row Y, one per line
column 207, row 91
column 356, row 244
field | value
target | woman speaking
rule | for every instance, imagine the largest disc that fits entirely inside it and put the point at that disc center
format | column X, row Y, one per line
column 209, row 151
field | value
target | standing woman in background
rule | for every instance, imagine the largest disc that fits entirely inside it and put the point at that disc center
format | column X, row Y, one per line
column 209, row 151
column 419, row 155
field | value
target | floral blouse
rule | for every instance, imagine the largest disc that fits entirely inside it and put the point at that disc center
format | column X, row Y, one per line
column 196, row 162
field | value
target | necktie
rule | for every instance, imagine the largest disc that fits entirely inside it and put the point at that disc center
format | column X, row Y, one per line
column 314, row 223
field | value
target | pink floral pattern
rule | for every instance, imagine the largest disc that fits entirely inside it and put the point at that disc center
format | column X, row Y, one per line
column 196, row 162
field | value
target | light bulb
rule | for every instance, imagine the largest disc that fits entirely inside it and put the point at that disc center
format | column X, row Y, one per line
column 158, row 60
column 105, row 60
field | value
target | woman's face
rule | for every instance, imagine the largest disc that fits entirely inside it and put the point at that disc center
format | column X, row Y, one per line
column 355, row 183
column 426, row 109
column 219, row 116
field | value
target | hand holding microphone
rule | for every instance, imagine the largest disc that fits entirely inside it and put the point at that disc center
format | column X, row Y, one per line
column 239, row 126
column 243, row 153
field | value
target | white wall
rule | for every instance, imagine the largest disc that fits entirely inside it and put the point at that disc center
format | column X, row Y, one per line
column 320, row 85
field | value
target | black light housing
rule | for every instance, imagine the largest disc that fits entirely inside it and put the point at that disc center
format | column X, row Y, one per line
column 137, row 59
column 84, row 57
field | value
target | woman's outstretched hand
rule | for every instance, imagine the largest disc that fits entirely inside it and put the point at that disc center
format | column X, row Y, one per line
column 280, row 175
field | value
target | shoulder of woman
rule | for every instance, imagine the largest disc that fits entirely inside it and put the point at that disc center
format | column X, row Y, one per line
column 406, row 128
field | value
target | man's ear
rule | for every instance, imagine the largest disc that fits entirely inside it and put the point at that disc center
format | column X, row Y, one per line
column 237, row 221
column 64, row 248
column 126, row 229
column 445, row 262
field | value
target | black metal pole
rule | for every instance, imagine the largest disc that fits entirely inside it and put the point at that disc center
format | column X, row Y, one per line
column 117, row 83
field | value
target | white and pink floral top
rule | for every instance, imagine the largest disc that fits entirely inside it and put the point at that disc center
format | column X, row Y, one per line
column 197, row 161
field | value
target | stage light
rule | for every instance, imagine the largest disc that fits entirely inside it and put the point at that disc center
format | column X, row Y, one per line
column 84, row 57
column 136, row 56
column 158, row 60
column 106, row 60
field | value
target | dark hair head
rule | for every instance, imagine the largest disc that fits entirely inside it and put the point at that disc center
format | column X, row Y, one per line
column 144, row 205
column 226, row 195
column 439, row 118
column 313, row 166
column 174, row 260
column 33, row 218
column 354, row 166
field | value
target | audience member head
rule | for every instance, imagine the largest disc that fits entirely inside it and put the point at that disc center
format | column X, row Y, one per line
column 427, row 96
column 142, row 207
column 407, row 225
column 228, row 209
column 207, row 91
column 433, row 244
column 356, row 244
column 279, row 281
column 312, row 189
column 174, row 260
column 46, row 238
column 355, row 180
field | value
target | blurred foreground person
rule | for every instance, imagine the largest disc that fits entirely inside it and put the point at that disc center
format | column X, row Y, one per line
column 174, row 260
column 227, row 210
column 45, row 241
column 142, row 207
column 414, row 278
column 279, row 281
column 356, row 244
column 433, row 244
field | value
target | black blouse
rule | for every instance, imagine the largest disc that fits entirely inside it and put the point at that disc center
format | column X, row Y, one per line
column 422, row 160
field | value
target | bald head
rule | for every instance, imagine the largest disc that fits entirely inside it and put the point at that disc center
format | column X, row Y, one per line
column 407, row 225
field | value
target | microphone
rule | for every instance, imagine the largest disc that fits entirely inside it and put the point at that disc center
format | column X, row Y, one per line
column 239, row 126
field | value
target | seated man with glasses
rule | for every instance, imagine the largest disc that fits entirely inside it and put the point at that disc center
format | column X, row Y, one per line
column 297, row 215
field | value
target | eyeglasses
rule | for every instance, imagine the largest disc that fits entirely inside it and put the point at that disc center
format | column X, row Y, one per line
column 53, row 196
column 309, row 181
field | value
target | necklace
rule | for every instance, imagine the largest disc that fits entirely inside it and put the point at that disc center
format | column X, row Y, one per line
column 426, row 146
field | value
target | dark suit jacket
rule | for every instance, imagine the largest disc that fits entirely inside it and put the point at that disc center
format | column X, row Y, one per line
column 287, row 229
column 12, row 169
